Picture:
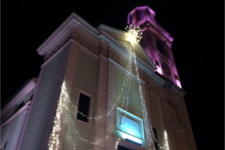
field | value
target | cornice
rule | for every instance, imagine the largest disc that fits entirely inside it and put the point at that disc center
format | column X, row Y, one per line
column 23, row 109
column 174, row 87
column 56, row 48
column 68, row 31
column 62, row 33
column 123, row 68
column 86, row 43
column 156, row 28
column 123, row 51
column 164, row 58
column 178, row 125
column 25, row 90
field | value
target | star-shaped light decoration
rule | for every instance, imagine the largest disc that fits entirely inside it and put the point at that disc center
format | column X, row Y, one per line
column 135, row 33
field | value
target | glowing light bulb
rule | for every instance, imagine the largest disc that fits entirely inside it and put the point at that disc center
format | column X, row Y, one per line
column 134, row 33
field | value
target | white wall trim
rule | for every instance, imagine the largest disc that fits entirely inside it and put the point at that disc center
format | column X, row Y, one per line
column 25, row 107
column 45, row 63
column 25, row 90
column 91, row 107
column 124, row 70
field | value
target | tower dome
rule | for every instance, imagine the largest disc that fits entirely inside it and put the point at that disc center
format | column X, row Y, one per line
column 139, row 13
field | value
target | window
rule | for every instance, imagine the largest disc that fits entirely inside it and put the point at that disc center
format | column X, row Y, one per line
column 156, row 63
column 176, row 77
column 162, row 49
column 83, row 107
column 160, row 46
column 156, row 144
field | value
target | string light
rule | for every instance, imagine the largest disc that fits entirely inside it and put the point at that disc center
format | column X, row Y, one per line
column 117, row 143
column 63, row 103
column 135, row 35
column 125, row 89
column 58, row 120
column 166, row 141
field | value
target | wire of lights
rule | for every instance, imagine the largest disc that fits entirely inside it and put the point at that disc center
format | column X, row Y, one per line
column 54, row 141
column 113, row 107
column 136, row 32
column 166, row 141
column 127, row 89
column 144, row 111
column 117, row 143
column 135, row 35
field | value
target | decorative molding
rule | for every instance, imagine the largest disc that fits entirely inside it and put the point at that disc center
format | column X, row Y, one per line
column 103, row 51
column 168, row 44
column 24, row 109
column 123, row 63
column 178, row 124
column 25, row 90
column 86, row 43
column 173, row 87
column 116, row 58
column 78, row 38
column 164, row 58
column 56, row 48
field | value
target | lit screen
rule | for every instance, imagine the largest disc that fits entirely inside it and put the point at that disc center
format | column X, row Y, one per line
column 131, row 126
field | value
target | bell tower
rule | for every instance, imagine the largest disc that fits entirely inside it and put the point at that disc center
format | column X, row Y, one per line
column 156, row 42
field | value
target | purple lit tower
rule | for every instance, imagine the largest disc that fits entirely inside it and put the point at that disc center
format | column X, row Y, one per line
column 156, row 42
column 78, row 100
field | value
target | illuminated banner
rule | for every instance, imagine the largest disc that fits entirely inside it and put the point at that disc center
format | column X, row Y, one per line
column 130, row 126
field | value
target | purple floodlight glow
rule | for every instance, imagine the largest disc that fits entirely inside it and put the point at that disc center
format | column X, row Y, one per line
column 159, row 70
column 144, row 17
column 178, row 83
column 138, row 13
column 143, row 14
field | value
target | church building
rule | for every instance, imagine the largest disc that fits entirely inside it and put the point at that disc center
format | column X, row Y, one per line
column 102, row 89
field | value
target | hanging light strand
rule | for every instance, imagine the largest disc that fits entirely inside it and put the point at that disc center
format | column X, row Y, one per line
column 148, row 127
column 115, row 104
column 125, row 88
column 55, row 135
column 63, row 105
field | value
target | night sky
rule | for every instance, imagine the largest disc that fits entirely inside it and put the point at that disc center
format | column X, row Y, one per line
column 197, row 27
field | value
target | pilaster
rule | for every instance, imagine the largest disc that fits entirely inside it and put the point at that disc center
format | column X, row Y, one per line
column 68, row 79
column 99, row 125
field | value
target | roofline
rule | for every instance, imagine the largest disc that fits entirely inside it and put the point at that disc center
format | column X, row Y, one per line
column 102, row 26
column 66, row 27
column 149, row 70
column 152, row 20
column 26, row 89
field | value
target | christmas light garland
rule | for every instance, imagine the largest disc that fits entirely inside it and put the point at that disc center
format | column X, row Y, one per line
column 58, row 120
column 63, row 105
column 126, row 96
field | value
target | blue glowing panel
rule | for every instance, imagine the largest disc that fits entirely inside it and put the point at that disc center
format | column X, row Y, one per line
column 130, row 127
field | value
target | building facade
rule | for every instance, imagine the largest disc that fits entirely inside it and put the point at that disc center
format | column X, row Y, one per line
column 98, row 90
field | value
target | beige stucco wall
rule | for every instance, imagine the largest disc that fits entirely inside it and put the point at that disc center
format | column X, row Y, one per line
column 83, row 78
column 134, row 106
column 84, row 71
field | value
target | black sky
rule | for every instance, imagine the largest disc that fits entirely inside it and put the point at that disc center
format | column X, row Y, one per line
column 198, row 48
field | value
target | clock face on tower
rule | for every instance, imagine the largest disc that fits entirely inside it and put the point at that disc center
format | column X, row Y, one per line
column 166, row 69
